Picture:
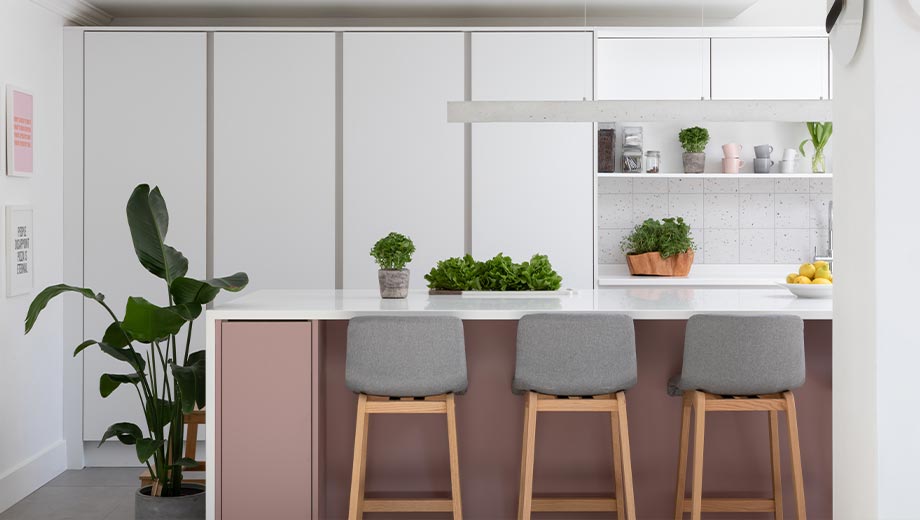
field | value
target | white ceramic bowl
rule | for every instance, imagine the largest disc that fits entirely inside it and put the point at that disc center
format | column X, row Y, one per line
column 809, row 291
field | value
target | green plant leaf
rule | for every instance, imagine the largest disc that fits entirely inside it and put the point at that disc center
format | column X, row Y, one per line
column 190, row 380
column 115, row 336
column 83, row 346
column 189, row 290
column 127, row 355
column 393, row 251
column 197, row 359
column 670, row 236
column 499, row 273
column 185, row 462
column 108, row 383
column 147, row 322
column 693, row 139
column 48, row 293
column 127, row 433
column 146, row 447
column 148, row 220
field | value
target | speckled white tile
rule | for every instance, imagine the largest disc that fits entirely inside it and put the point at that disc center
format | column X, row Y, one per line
column 791, row 211
column 720, row 185
column 756, row 185
column 685, row 185
column 614, row 185
column 614, row 211
column 792, row 246
column 608, row 244
column 720, row 211
column 821, row 185
column 721, row 246
column 687, row 205
column 791, row 186
column 650, row 185
column 649, row 205
column 698, row 236
column 756, row 210
column 817, row 242
column 757, row 246
column 817, row 209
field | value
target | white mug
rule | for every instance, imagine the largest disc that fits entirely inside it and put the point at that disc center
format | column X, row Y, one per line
column 789, row 154
column 786, row 166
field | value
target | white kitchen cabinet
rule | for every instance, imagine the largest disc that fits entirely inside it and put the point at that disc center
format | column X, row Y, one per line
column 274, row 158
column 403, row 163
column 145, row 110
column 770, row 68
column 532, row 183
column 652, row 68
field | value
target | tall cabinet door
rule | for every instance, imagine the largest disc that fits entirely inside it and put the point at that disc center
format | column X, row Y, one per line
column 403, row 162
column 274, row 158
column 145, row 109
column 533, row 183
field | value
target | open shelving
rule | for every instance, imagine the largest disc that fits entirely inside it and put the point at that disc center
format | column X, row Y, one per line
column 715, row 175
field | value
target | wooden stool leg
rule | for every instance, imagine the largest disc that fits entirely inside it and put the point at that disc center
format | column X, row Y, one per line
column 454, row 458
column 359, row 462
column 686, row 406
column 699, row 431
column 795, row 456
column 627, row 457
column 774, row 460
column 530, row 437
column 617, row 465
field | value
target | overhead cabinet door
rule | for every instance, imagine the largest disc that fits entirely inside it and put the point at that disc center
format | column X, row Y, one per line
column 652, row 68
column 533, row 183
column 274, row 158
column 145, row 121
column 770, row 68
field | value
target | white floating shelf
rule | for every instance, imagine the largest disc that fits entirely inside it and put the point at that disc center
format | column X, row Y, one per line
column 715, row 175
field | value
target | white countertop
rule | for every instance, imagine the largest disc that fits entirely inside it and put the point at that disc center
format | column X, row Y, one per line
column 701, row 275
column 643, row 303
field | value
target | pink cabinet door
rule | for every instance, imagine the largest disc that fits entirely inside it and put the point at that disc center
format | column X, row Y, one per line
column 264, row 420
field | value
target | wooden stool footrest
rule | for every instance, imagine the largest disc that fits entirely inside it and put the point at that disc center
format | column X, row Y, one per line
column 574, row 504
column 733, row 505
column 408, row 505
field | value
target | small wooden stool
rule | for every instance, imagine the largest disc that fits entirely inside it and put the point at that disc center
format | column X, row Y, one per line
column 192, row 421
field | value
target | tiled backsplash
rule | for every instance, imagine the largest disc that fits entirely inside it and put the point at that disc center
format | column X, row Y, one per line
column 733, row 221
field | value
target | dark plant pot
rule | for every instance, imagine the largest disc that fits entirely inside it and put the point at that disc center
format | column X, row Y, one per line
column 190, row 506
column 651, row 264
column 393, row 283
column 694, row 162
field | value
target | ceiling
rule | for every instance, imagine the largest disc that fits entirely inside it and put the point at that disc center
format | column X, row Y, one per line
column 420, row 8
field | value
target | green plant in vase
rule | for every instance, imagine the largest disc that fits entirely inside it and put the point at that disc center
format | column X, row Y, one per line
column 820, row 134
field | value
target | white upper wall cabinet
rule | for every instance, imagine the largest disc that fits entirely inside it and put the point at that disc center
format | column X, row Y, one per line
column 274, row 158
column 770, row 68
column 533, row 183
column 403, row 164
column 653, row 68
column 145, row 121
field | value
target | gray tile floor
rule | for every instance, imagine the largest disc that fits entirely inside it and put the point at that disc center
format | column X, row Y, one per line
column 87, row 494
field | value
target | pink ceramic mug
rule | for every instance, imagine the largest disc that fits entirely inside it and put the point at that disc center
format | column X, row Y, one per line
column 731, row 165
column 731, row 150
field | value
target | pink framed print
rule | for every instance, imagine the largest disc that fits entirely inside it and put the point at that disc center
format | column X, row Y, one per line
column 20, row 132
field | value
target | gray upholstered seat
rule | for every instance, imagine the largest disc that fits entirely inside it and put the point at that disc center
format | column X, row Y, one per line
column 405, row 356
column 742, row 355
column 575, row 354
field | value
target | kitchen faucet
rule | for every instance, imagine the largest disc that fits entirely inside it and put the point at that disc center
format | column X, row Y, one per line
column 829, row 258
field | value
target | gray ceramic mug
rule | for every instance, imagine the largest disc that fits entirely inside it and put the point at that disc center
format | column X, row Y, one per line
column 763, row 151
column 763, row 165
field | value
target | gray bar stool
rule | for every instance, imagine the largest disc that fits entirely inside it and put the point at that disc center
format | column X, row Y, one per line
column 404, row 365
column 576, row 362
column 740, row 364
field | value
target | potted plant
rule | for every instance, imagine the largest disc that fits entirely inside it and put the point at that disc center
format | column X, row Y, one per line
column 820, row 134
column 694, row 141
column 392, row 253
column 167, row 375
column 659, row 248
column 500, row 273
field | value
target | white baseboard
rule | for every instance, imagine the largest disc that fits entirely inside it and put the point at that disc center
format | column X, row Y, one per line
column 113, row 454
column 31, row 474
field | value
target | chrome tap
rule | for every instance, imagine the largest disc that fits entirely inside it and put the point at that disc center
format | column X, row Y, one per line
column 829, row 257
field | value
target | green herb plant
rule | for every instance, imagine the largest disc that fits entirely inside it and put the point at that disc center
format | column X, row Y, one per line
column 820, row 134
column 669, row 237
column 499, row 273
column 694, row 139
column 393, row 252
column 169, row 381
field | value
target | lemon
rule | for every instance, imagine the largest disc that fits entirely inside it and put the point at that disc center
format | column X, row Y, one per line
column 802, row 280
column 831, row 278
column 821, row 264
column 823, row 274
column 807, row 270
column 790, row 278
column 822, row 281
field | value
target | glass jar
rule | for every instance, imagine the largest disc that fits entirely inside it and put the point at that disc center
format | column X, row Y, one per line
column 652, row 161
column 632, row 161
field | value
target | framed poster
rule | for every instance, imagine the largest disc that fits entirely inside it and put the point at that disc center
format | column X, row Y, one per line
column 19, row 250
column 20, row 132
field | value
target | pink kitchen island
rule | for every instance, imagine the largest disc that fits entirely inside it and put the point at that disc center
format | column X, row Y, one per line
column 280, row 421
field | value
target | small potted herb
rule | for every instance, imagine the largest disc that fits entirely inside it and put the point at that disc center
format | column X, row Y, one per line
column 392, row 253
column 659, row 248
column 694, row 141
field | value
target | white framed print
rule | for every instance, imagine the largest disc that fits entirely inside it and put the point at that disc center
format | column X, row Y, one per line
column 20, row 246
column 20, row 132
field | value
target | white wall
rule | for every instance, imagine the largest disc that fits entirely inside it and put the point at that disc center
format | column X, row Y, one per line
column 31, row 445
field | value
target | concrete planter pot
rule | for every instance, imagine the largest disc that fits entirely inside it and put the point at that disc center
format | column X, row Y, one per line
column 694, row 162
column 190, row 506
column 393, row 283
column 651, row 264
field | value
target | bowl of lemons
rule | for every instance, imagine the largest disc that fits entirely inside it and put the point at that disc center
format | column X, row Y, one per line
column 812, row 281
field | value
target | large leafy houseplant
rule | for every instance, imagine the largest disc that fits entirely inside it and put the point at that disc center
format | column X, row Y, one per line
column 820, row 134
column 167, row 375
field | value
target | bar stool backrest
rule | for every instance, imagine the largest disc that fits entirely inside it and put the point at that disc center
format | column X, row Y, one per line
column 743, row 355
column 405, row 356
